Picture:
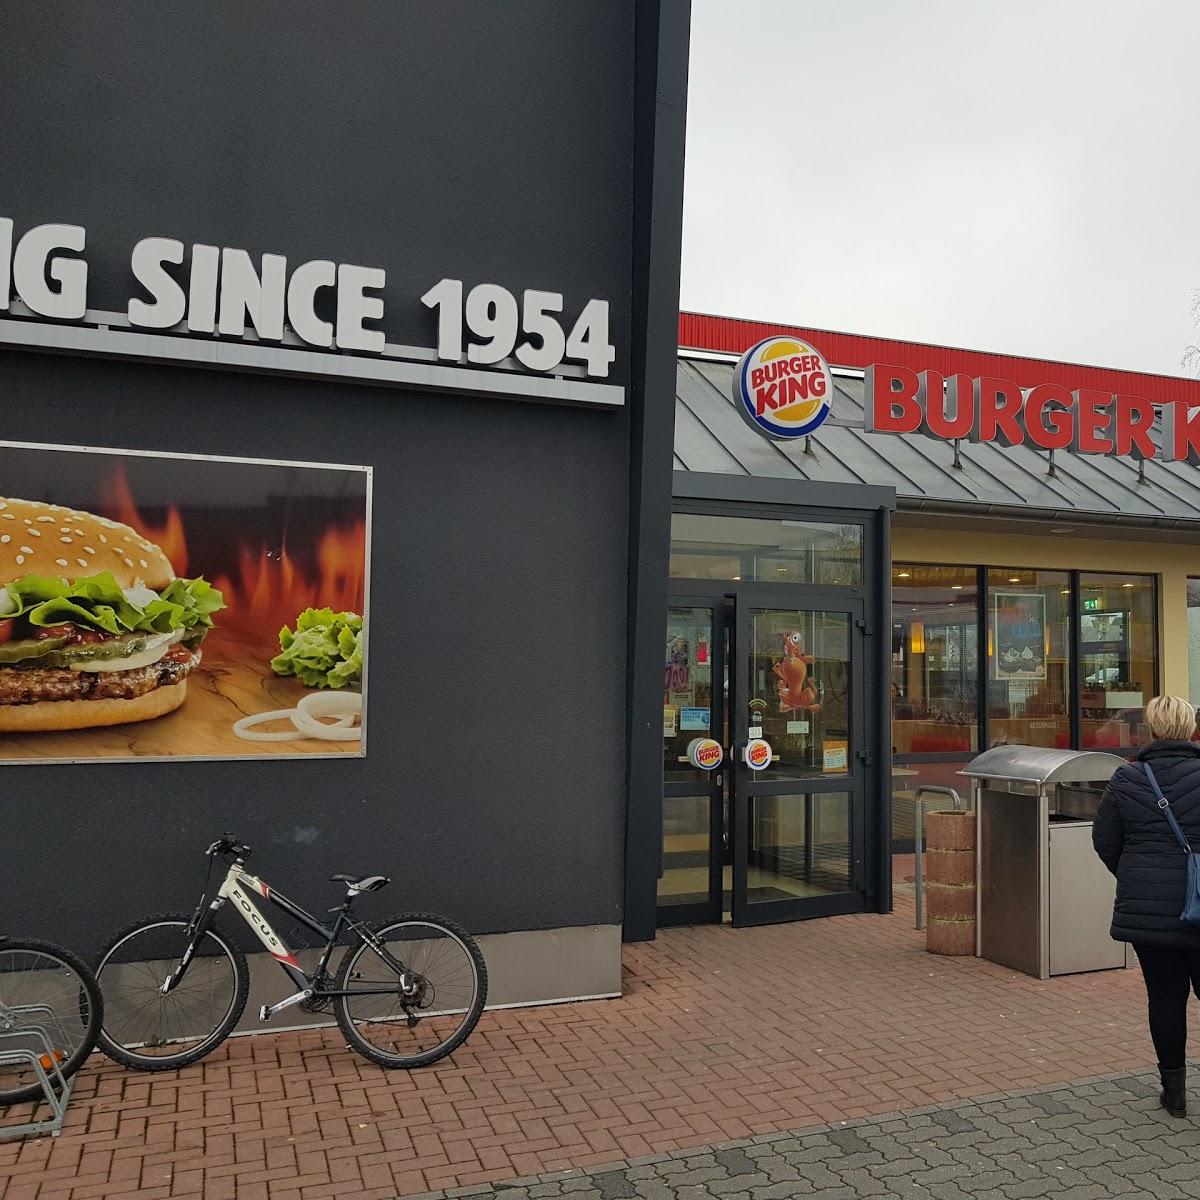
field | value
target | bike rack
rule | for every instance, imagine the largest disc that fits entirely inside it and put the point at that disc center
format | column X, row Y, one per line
column 55, row 1088
column 919, row 840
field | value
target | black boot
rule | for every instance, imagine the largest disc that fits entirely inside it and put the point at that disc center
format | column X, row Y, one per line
column 1174, row 1093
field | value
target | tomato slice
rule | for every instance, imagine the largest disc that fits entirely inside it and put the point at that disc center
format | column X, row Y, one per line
column 6, row 629
column 54, row 631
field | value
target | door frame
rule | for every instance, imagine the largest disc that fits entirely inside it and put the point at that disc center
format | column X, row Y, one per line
column 787, row 499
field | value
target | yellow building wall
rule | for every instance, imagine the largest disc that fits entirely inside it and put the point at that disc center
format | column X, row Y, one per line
column 1172, row 562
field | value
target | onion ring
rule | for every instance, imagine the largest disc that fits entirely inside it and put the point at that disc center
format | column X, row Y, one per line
column 243, row 727
column 343, row 707
column 340, row 709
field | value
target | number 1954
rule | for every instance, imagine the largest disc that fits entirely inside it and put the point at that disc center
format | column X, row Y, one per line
column 492, row 317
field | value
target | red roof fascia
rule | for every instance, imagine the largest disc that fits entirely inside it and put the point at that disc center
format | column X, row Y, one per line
column 700, row 331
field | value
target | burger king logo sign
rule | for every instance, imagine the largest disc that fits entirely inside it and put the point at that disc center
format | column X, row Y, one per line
column 705, row 754
column 782, row 387
column 757, row 754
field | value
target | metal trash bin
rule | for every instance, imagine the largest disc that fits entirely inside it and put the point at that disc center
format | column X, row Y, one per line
column 1044, row 899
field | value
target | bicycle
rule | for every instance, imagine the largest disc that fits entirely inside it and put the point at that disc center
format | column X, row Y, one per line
column 50, row 1016
column 176, row 985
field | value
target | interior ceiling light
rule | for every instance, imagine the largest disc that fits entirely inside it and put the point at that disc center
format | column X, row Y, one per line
column 956, row 587
column 1127, row 585
column 1014, row 579
column 903, row 574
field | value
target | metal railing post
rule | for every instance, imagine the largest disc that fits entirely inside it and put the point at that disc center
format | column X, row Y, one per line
column 919, row 841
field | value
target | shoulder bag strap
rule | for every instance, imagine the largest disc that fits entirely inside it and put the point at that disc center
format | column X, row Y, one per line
column 1166, row 810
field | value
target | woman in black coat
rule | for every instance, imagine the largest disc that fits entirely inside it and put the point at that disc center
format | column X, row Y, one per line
column 1136, row 843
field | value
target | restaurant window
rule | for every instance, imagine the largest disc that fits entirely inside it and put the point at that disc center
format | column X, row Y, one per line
column 935, row 685
column 1026, row 679
column 1117, row 658
column 1028, row 651
column 1193, row 636
column 935, row 659
column 761, row 550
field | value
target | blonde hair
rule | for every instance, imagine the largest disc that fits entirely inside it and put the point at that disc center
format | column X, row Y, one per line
column 1171, row 718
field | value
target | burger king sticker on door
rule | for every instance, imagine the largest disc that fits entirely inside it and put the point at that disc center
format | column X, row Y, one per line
column 757, row 754
column 782, row 387
column 705, row 754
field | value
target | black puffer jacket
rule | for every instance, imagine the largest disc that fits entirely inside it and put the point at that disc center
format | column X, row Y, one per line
column 1133, row 838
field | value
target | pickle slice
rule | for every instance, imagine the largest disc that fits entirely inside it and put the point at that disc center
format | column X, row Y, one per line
column 54, row 652
column 29, row 649
column 118, row 647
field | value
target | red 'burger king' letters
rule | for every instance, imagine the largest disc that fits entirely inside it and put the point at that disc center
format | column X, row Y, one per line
column 1049, row 416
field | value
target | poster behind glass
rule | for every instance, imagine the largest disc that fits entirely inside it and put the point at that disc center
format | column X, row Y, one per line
column 1019, row 628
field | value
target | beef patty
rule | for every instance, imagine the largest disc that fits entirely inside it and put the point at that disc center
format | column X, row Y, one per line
column 27, row 685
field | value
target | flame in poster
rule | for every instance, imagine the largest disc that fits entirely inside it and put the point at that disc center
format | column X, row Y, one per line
column 169, row 537
column 272, row 588
column 268, row 585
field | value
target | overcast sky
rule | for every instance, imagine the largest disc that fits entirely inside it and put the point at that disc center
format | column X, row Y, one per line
column 1013, row 176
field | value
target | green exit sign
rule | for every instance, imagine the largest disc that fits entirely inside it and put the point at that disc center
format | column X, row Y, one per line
column 1091, row 603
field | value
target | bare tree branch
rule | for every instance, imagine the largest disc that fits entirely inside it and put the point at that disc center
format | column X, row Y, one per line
column 1191, row 355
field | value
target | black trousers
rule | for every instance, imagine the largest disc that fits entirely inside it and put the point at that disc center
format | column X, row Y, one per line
column 1171, row 976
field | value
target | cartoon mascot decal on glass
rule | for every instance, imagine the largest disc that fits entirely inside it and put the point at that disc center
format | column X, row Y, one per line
column 797, row 693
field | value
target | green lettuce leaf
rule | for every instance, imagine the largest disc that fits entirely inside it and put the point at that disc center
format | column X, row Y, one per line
column 325, row 650
column 97, row 602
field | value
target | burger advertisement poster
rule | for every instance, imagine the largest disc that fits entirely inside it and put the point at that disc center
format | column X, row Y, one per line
column 165, row 606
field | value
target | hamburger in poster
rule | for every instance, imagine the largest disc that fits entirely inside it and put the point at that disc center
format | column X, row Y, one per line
column 95, row 627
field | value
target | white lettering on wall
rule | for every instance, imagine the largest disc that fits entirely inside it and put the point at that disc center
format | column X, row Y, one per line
column 34, row 259
column 491, row 317
column 225, row 291
column 202, row 289
column 247, row 293
column 168, row 303
column 5, row 258
column 354, row 307
column 307, row 280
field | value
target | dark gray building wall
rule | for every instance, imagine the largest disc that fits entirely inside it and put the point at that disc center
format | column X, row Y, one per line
column 482, row 142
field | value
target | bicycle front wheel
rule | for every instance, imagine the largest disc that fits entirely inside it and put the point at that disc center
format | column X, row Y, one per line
column 152, row 1030
column 50, row 1007
column 415, row 1015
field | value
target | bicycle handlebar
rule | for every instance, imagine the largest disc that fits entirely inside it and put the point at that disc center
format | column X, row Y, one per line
column 228, row 844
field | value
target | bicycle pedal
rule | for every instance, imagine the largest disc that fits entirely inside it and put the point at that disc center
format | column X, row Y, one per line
column 264, row 1013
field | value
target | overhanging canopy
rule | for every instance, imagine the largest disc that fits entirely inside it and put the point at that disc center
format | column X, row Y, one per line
column 1014, row 482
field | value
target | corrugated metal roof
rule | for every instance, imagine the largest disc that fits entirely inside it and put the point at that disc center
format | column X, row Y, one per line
column 1015, row 481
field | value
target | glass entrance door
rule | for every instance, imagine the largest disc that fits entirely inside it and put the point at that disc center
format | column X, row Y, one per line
column 797, row 708
column 780, row 671
column 695, row 743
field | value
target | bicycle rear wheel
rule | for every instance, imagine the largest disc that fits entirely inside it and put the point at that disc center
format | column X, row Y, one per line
column 422, row 1014
column 49, row 1005
column 150, row 1030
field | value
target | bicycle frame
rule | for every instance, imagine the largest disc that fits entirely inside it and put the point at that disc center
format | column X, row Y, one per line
column 237, row 887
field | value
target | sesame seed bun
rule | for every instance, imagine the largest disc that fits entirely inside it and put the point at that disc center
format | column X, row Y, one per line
column 49, row 715
column 46, row 539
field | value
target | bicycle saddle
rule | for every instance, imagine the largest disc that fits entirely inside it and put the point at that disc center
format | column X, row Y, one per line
column 361, row 883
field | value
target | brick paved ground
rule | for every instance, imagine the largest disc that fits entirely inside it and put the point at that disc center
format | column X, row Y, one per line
column 723, row 1034
column 1091, row 1141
